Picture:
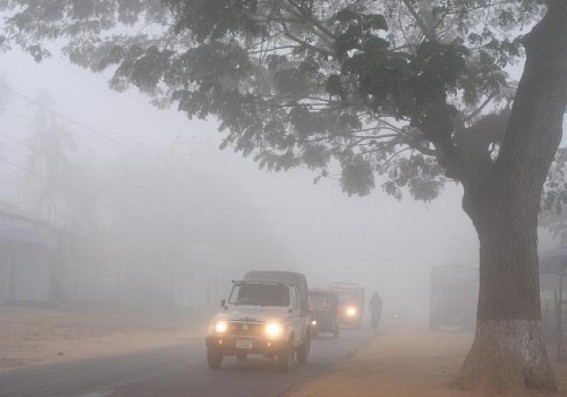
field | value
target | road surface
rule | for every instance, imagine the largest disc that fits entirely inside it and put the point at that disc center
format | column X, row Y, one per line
column 178, row 370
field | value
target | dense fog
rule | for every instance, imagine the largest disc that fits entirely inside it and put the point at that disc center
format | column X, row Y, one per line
column 154, row 205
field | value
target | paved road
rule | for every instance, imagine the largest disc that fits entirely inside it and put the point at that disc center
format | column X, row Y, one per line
column 173, row 371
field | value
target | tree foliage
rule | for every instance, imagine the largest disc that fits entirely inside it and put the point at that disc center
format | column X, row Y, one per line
column 50, row 145
column 49, row 149
column 412, row 91
column 396, row 88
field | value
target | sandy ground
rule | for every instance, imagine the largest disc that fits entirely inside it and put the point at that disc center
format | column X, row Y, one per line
column 404, row 363
column 30, row 336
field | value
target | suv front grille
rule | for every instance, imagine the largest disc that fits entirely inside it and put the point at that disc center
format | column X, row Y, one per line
column 245, row 328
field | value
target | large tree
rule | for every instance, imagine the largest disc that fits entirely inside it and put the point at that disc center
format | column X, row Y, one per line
column 416, row 91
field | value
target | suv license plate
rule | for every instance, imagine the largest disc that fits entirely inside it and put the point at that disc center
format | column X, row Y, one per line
column 244, row 344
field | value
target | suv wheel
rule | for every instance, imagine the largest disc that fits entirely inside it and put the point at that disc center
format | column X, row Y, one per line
column 303, row 350
column 285, row 358
column 214, row 357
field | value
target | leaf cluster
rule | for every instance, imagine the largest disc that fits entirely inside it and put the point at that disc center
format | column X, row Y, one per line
column 379, row 88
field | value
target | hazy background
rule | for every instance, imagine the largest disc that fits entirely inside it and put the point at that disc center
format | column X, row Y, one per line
column 384, row 244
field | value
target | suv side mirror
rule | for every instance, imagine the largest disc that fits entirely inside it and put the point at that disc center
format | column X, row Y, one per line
column 223, row 302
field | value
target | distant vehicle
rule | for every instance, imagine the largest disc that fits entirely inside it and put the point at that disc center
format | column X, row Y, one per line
column 454, row 295
column 324, row 306
column 351, row 303
column 267, row 313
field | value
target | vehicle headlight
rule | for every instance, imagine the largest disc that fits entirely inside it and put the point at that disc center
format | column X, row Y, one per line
column 274, row 330
column 351, row 311
column 221, row 327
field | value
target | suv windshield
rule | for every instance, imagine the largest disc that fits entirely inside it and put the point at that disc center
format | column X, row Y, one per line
column 260, row 294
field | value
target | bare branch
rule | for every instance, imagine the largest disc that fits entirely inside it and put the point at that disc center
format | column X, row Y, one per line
column 393, row 156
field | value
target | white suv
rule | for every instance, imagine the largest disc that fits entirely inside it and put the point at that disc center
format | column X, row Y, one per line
column 261, row 317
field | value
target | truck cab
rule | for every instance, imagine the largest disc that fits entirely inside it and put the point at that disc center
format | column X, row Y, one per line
column 265, row 314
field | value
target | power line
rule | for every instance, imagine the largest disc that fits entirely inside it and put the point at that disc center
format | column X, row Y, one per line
column 27, row 171
column 103, row 89
column 36, row 123
column 100, row 201
column 75, row 122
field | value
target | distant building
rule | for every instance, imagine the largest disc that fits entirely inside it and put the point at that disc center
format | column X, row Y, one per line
column 552, row 272
column 454, row 296
column 29, row 258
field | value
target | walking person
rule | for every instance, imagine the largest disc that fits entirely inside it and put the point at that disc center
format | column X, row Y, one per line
column 375, row 311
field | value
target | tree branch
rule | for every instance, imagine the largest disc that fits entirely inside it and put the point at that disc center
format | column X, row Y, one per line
column 287, row 34
column 419, row 21
column 313, row 21
column 477, row 111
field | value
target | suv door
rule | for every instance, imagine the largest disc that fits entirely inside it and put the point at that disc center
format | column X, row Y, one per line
column 300, row 320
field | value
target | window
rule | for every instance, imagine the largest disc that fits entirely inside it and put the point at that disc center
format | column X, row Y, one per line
column 294, row 298
column 260, row 295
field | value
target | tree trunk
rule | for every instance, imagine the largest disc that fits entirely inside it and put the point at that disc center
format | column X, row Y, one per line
column 508, row 351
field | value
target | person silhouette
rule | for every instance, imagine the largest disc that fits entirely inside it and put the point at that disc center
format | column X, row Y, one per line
column 375, row 310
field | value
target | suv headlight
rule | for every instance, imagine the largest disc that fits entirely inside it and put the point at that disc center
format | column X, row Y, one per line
column 221, row 327
column 274, row 330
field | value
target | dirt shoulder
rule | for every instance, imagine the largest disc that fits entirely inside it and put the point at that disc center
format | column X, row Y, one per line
column 30, row 336
column 404, row 363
